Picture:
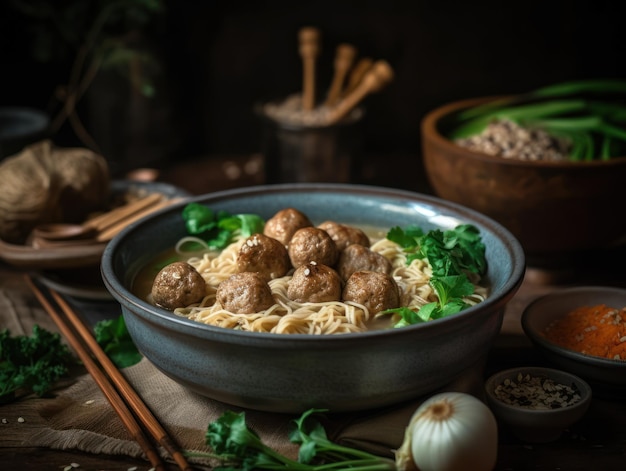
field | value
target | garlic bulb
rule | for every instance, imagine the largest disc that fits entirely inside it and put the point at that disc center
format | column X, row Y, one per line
column 448, row 432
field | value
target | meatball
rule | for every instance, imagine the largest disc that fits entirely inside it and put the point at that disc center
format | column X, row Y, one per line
column 285, row 223
column 245, row 293
column 355, row 257
column 314, row 283
column 311, row 244
column 345, row 235
column 376, row 291
column 265, row 256
column 178, row 285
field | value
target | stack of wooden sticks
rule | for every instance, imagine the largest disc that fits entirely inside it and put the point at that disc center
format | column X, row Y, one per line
column 352, row 81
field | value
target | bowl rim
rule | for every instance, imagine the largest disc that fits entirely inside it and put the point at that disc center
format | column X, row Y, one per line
column 429, row 127
column 536, row 337
column 163, row 316
column 586, row 392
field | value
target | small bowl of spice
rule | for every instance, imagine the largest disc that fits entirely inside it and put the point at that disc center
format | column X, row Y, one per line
column 582, row 330
column 537, row 404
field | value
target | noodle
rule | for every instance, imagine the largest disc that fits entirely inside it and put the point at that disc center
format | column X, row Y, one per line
column 289, row 317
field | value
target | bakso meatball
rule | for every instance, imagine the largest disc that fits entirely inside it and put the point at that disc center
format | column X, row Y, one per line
column 355, row 257
column 345, row 235
column 314, row 283
column 285, row 223
column 245, row 293
column 178, row 285
column 311, row 244
column 265, row 256
column 376, row 291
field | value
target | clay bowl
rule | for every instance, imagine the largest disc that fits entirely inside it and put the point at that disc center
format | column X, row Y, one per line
column 555, row 210
column 293, row 372
column 538, row 315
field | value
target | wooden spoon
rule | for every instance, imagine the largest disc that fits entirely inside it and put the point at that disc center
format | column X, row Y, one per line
column 58, row 232
column 309, row 49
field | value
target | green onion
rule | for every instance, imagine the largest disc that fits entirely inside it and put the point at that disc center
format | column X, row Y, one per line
column 562, row 110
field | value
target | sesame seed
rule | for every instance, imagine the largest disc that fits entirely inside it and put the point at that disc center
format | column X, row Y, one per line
column 536, row 393
column 21, row 420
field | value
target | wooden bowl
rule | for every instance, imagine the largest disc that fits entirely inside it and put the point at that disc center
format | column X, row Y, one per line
column 555, row 209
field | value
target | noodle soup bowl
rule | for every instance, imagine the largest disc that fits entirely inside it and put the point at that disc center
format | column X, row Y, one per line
column 602, row 373
column 294, row 372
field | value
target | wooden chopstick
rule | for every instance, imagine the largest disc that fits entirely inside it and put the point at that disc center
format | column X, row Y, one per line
column 109, row 232
column 120, row 213
column 123, row 387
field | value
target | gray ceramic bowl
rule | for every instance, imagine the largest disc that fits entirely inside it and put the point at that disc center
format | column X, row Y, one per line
column 546, row 309
column 538, row 425
column 289, row 373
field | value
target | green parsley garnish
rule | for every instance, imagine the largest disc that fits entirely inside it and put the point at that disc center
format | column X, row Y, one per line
column 112, row 335
column 217, row 228
column 240, row 448
column 31, row 363
column 453, row 255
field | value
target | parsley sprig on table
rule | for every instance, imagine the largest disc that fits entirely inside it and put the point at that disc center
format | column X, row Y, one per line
column 453, row 254
column 240, row 448
column 31, row 363
column 113, row 336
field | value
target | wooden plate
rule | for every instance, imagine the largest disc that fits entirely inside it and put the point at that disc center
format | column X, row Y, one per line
column 71, row 256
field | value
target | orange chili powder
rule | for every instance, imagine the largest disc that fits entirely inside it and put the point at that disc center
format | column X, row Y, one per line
column 594, row 330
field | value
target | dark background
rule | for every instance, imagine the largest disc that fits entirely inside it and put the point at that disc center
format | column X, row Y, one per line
column 220, row 58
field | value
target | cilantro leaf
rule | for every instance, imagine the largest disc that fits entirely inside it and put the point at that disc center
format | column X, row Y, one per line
column 217, row 228
column 452, row 255
column 112, row 335
column 240, row 448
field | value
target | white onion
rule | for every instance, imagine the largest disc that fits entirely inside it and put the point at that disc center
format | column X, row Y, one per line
column 450, row 431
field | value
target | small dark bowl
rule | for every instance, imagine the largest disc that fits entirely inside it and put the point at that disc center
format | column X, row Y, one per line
column 294, row 372
column 538, row 425
column 19, row 127
column 555, row 209
column 546, row 309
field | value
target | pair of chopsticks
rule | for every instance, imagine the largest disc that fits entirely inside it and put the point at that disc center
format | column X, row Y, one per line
column 112, row 383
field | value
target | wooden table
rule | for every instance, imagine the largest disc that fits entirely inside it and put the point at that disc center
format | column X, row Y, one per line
column 596, row 442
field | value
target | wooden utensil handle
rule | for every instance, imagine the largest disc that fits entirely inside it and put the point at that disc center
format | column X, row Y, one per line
column 309, row 49
column 344, row 59
column 375, row 79
column 357, row 74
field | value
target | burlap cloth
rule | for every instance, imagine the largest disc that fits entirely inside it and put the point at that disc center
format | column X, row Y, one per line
column 80, row 418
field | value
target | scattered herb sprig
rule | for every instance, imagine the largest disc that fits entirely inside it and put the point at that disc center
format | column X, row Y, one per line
column 112, row 335
column 590, row 114
column 32, row 363
column 453, row 254
column 240, row 448
column 216, row 228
